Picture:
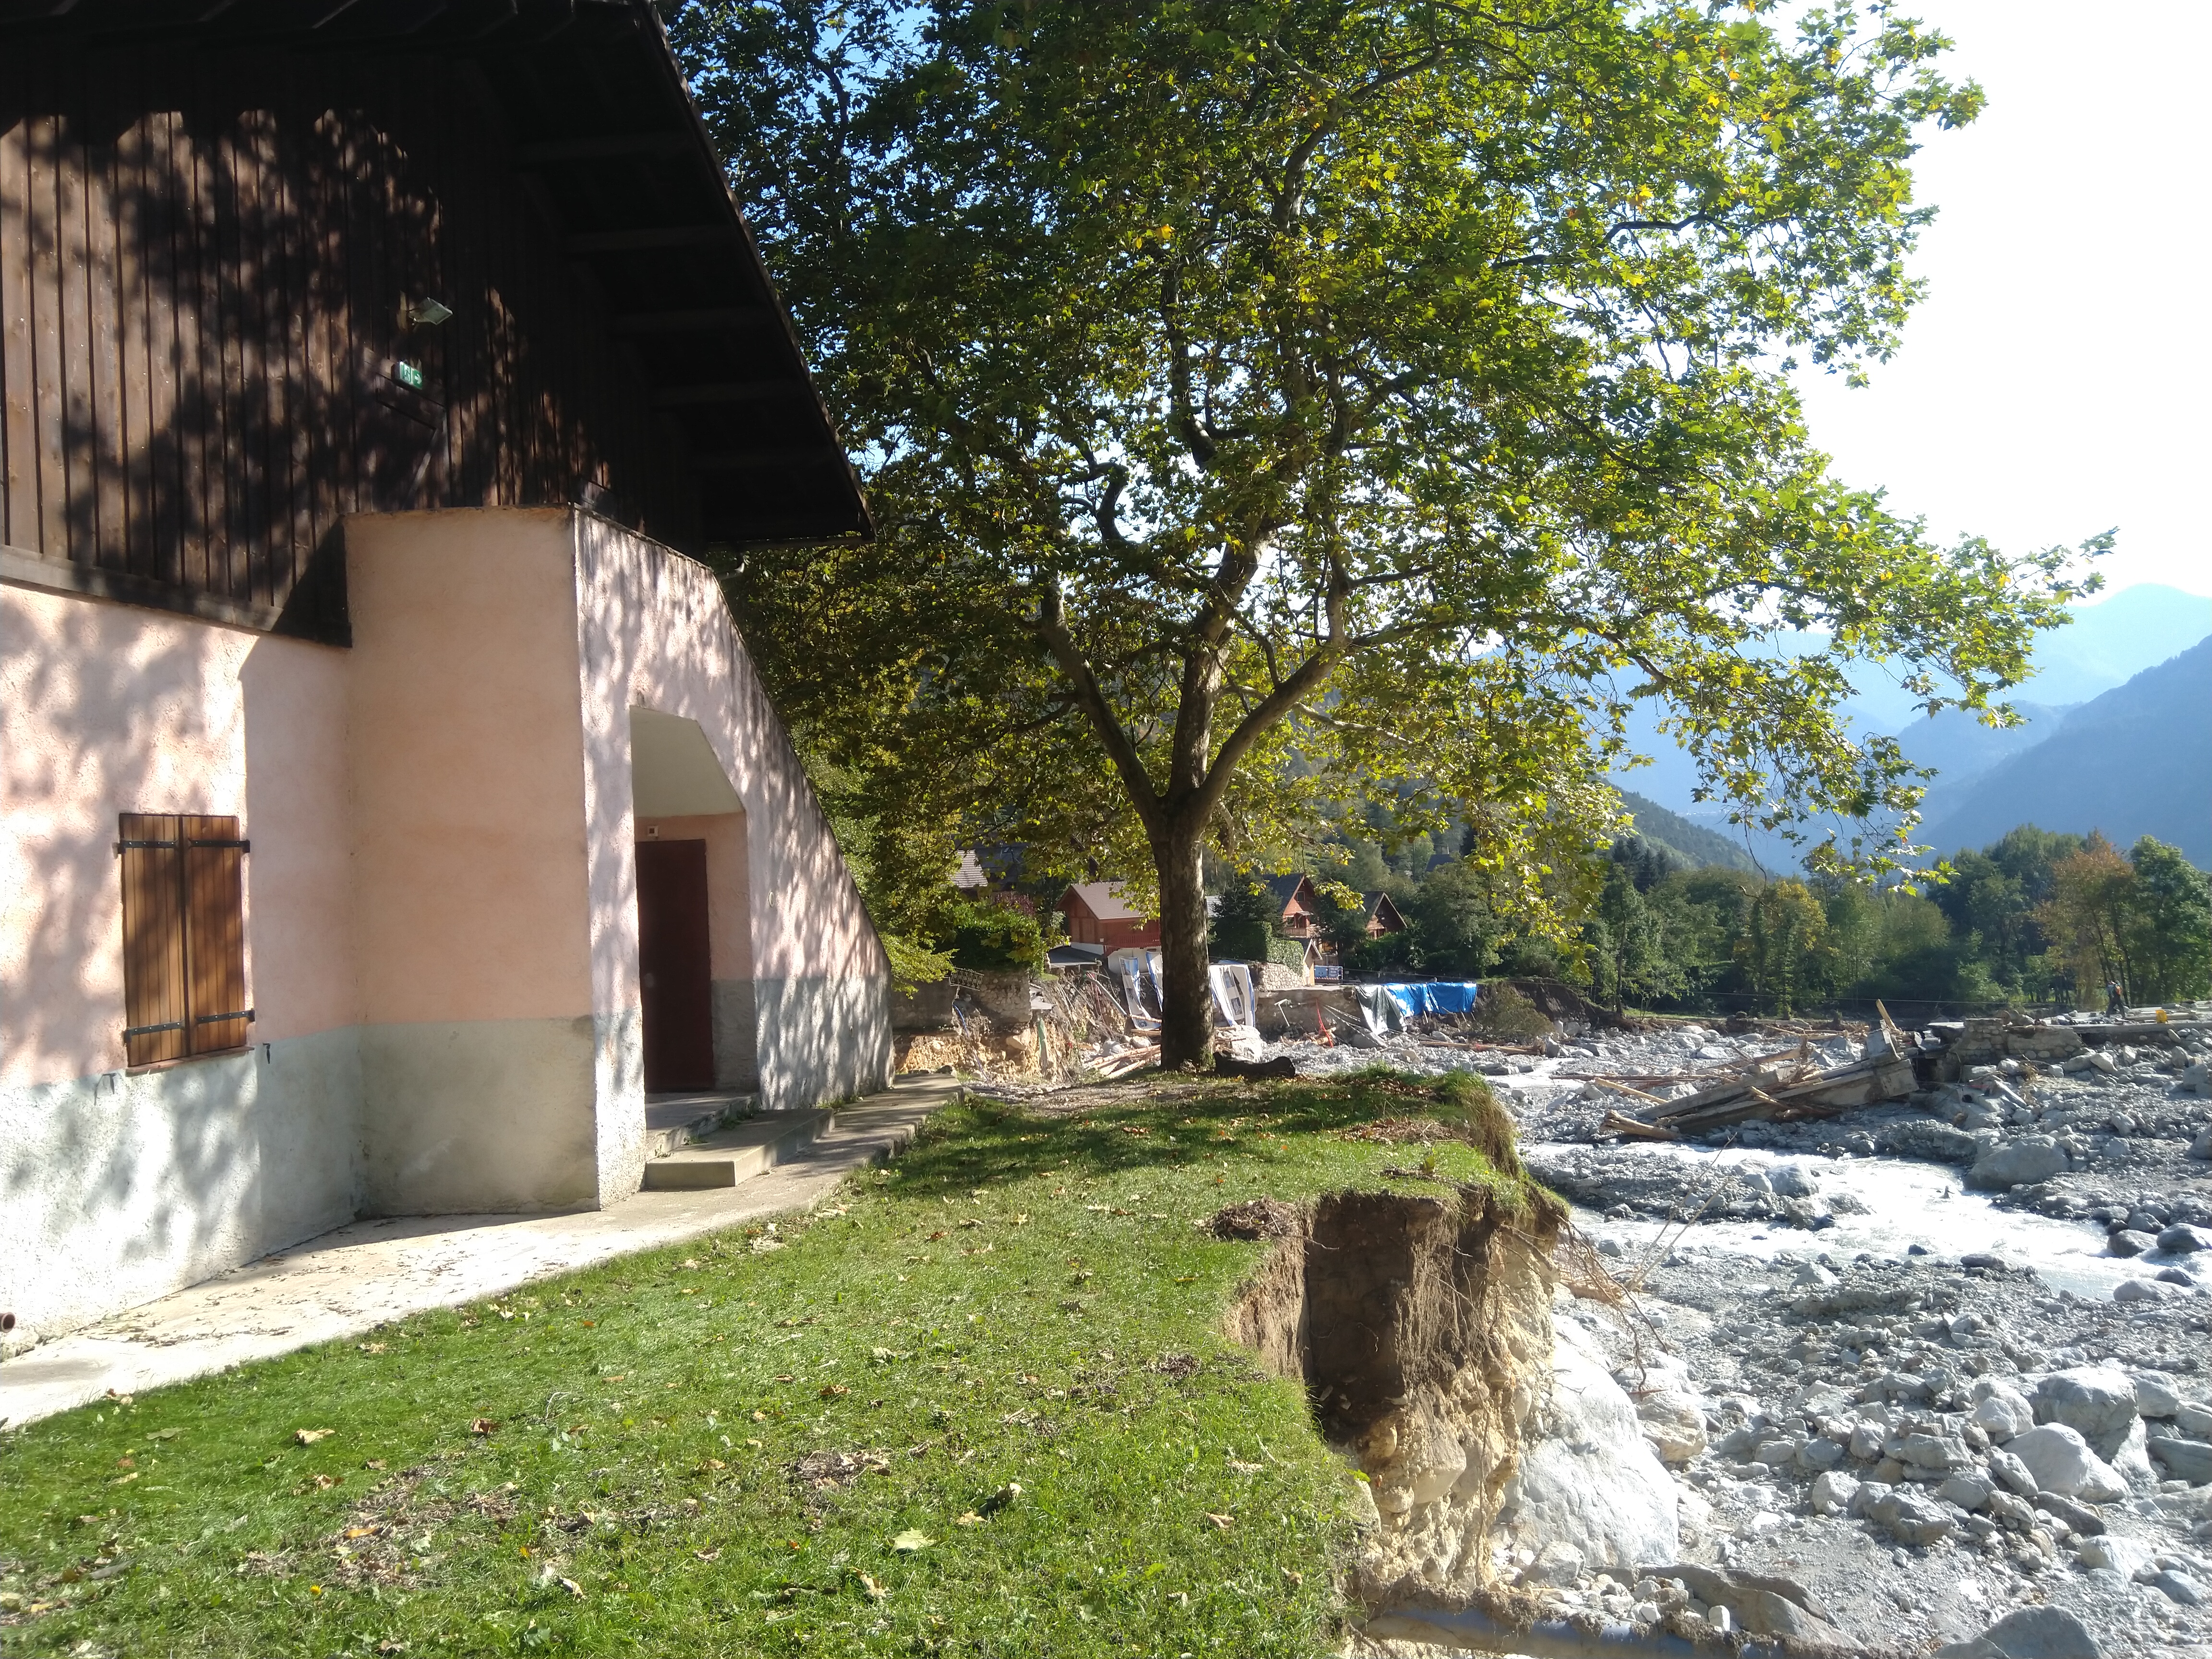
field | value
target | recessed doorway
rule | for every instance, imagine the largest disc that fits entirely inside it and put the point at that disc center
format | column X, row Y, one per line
column 675, row 965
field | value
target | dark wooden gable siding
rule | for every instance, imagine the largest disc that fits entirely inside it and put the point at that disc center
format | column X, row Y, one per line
column 202, row 262
column 206, row 240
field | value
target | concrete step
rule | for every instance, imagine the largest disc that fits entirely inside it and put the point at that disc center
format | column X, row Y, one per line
column 674, row 1122
column 725, row 1156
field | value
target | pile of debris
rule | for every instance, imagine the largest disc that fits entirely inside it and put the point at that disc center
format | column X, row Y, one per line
column 1048, row 1028
column 1784, row 1088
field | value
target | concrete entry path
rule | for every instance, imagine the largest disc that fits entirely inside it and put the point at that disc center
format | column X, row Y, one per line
column 373, row 1272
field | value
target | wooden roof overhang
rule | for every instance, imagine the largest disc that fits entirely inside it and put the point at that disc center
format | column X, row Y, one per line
column 608, row 144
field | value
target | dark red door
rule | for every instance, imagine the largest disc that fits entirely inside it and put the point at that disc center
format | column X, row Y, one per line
column 674, row 965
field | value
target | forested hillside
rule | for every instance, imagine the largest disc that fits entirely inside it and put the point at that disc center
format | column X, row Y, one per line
column 1693, row 844
column 2034, row 917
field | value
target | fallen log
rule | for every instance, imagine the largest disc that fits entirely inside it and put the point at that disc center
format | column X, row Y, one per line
column 1254, row 1070
column 1614, row 1124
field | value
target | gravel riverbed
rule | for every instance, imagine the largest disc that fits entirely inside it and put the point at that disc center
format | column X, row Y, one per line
column 1936, row 1361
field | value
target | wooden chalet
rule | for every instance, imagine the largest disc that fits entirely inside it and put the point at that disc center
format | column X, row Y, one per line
column 1098, row 913
column 1297, row 903
column 288, row 263
column 1382, row 914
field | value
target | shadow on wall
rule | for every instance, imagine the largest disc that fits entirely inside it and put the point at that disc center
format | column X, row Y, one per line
column 104, row 716
column 121, row 1188
column 659, row 636
column 202, row 482
column 209, row 236
column 822, row 1040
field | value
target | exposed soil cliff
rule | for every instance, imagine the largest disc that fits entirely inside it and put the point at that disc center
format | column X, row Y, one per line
column 1422, row 1329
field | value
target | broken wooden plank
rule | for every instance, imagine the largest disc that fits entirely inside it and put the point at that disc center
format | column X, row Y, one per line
column 1623, row 1089
column 1129, row 1060
column 1890, row 1078
column 1754, row 1102
column 1670, row 1109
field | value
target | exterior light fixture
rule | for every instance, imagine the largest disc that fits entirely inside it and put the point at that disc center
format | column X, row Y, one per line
column 426, row 312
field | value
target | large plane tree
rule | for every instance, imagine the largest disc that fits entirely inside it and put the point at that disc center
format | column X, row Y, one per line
column 1267, row 399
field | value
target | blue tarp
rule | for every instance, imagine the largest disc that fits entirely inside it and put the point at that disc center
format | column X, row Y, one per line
column 1446, row 996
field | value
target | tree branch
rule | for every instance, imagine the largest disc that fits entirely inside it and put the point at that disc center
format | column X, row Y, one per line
column 1051, row 626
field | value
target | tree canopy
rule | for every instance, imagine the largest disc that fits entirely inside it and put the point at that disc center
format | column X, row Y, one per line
column 1267, row 401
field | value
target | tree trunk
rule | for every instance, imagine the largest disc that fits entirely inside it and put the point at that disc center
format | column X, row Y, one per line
column 1185, row 1022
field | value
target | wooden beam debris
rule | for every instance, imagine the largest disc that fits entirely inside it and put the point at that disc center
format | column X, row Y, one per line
column 1620, row 1088
column 1778, row 1088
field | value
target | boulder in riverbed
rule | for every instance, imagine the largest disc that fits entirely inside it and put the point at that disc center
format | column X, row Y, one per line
column 2029, row 1633
column 2061, row 1462
column 2098, row 1401
column 2017, row 1164
column 2002, row 1412
column 1590, row 1478
column 1673, row 1424
column 2186, row 1460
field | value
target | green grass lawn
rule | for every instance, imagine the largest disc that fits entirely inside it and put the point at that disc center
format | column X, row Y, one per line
column 798, row 1437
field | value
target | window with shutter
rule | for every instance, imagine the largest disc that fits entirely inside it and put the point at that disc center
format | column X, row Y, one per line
column 183, row 936
column 153, row 939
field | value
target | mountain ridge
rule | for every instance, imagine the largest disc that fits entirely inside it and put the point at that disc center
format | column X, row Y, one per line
column 2135, row 761
column 2109, row 641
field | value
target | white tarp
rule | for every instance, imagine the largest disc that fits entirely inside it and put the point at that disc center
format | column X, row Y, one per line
column 1232, row 992
column 1143, row 993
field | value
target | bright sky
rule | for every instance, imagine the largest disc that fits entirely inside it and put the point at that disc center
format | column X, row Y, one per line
column 2058, row 379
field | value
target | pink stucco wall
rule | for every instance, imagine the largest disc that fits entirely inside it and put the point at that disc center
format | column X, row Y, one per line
column 468, row 767
column 441, row 923
column 110, row 708
column 441, row 816
column 406, row 767
column 655, row 632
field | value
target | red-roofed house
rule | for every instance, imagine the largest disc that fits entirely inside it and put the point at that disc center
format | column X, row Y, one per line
column 1097, row 914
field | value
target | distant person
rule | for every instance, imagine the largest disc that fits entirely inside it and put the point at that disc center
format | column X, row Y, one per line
column 2114, row 1002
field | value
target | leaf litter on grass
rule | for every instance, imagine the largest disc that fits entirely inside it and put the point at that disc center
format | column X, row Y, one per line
column 1143, row 1447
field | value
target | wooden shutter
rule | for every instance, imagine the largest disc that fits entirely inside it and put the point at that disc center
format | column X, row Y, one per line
column 153, row 1013
column 183, row 936
column 215, row 933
